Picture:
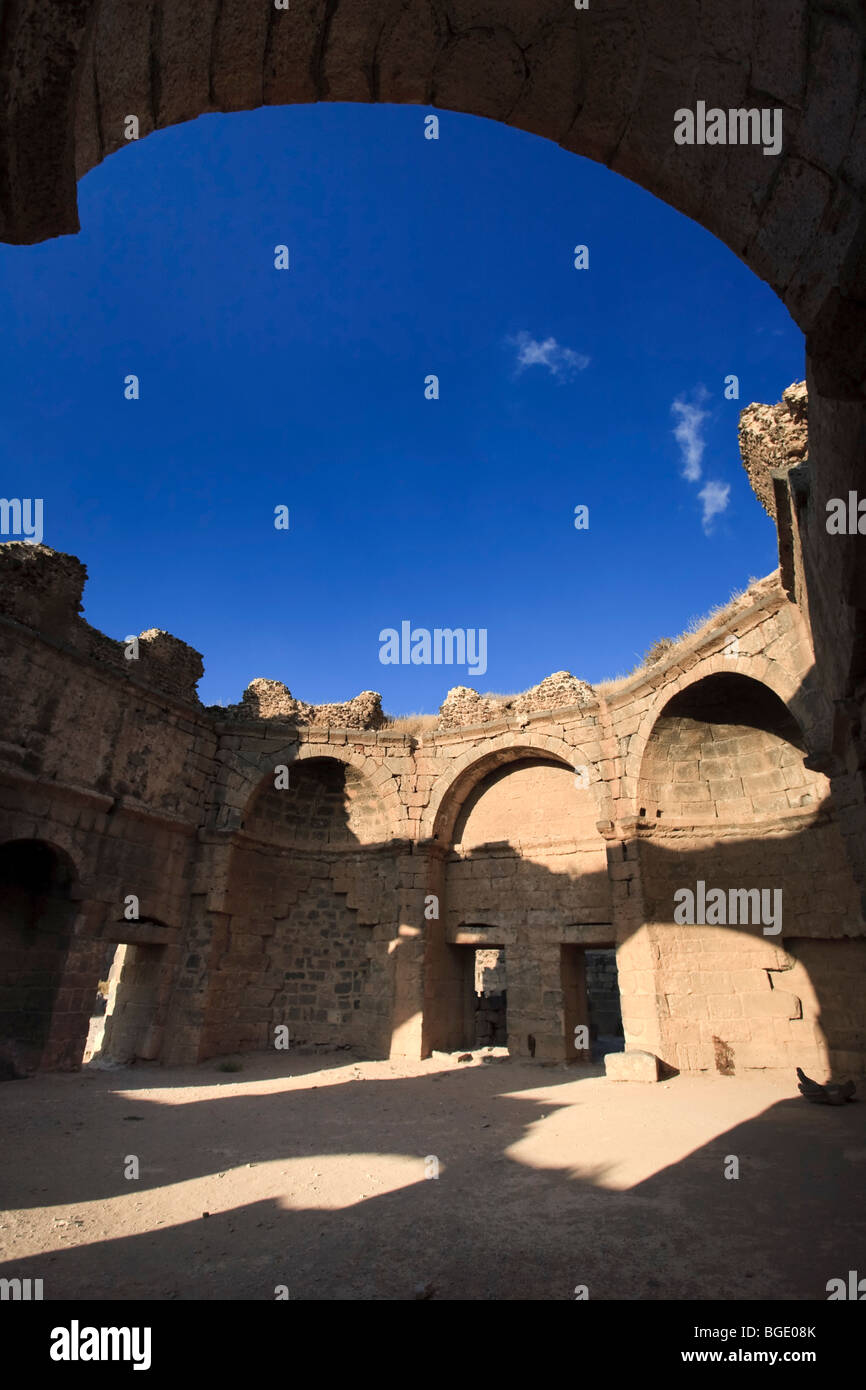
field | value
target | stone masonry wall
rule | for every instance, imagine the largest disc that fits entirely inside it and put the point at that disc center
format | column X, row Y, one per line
column 532, row 828
column 290, row 950
column 602, row 989
column 730, row 982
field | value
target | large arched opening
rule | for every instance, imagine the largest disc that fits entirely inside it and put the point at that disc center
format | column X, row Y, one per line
column 298, row 945
column 746, row 888
column 525, row 893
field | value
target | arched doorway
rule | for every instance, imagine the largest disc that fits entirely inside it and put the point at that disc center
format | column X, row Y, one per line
column 525, row 874
column 741, row 859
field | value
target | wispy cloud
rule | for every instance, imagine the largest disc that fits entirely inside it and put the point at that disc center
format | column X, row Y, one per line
column 560, row 361
column 714, row 498
column 689, row 436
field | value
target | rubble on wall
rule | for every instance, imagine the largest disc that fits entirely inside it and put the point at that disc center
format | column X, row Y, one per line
column 266, row 699
column 42, row 589
column 168, row 662
column 463, row 706
column 772, row 437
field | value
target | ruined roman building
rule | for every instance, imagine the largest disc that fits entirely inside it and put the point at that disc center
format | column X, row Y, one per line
column 274, row 864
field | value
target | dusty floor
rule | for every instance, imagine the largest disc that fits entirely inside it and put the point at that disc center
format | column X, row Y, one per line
column 312, row 1171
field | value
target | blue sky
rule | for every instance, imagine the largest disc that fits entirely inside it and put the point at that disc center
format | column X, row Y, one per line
column 305, row 388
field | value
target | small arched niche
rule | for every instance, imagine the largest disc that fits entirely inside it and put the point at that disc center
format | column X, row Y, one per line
column 728, row 749
column 321, row 803
column 530, row 799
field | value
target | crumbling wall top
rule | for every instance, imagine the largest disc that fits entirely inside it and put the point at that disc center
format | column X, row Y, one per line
column 42, row 589
column 463, row 706
column 774, row 437
column 267, row 699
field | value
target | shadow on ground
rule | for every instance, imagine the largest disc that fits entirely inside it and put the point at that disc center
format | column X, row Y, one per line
column 337, row 1205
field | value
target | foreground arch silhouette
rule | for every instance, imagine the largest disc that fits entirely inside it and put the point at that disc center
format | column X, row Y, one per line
column 601, row 84
column 604, row 85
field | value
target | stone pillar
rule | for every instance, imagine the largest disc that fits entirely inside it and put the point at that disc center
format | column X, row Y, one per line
column 75, row 998
column 186, row 1011
column 536, row 1002
column 637, row 954
column 419, row 881
column 444, row 1019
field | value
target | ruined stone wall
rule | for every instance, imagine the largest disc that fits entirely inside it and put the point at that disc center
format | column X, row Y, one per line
column 73, row 73
column 290, row 950
column 796, row 478
column 530, row 857
column 491, row 999
column 724, row 982
column 346, row 902
column 490, row 974
column 774, row 438
column 728, row 752
column 103, row 768
column 464, row 707
column 266, row 699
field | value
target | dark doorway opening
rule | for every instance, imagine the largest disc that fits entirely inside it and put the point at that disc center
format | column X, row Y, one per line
column 591, row 1003
column 36, row 916
column 491, row 999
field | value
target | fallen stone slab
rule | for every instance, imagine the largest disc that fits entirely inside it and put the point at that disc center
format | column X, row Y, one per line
column 631, row 1066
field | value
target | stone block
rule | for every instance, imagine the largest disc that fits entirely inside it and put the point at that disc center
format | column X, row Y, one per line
column 631, row 1066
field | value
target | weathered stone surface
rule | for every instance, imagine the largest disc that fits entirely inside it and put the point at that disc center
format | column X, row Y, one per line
column 351, row 896
column 464, row 706
column 310, row 903
column 266, row 699
column 774, row 437
column 604, row 82
column 40, row 587
column 631, row 1066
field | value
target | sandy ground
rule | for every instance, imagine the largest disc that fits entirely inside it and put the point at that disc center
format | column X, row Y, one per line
column 312, row 1172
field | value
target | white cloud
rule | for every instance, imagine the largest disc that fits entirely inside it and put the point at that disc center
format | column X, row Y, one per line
column 559, row 361
column 689, row 436
column 714, row 497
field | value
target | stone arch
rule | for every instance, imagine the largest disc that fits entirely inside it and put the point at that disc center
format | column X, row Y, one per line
column 794, row 694
column 521, row 852
column 309, row 880
column 329, row 802
column 693, row 762
column 601, row 85
column 384, row 807
column 451, row 789
column 732, row 810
